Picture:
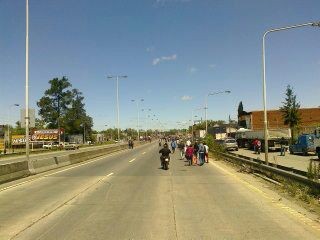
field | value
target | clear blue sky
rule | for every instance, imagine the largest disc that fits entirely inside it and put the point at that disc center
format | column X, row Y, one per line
column 168, row 49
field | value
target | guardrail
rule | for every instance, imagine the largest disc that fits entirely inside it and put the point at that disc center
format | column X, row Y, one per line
column 272, row 169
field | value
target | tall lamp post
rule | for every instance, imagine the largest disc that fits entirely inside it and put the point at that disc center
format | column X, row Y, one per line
column 192, row 119
column 117, row 77
column 206, row 106
column 138, row 112
column 145, row 110
column 27, row 117
column 265, row 119
column 9, row 118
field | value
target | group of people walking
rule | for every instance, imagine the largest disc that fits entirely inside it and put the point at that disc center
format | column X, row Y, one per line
column 196, row 153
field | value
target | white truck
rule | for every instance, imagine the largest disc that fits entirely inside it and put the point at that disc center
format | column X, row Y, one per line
column 245, row 137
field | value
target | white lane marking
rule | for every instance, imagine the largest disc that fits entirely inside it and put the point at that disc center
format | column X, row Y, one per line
column 62, row 205
column 110, row 174
column 143, row 153
column 132, row 160
column 47, row 175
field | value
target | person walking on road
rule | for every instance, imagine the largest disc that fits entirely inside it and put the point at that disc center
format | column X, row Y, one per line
column 206, row 154
column 195, row 153
column 130, row 143
column 189, row 154
column 201, row 154
column 282, row 147
column 181, row 146
column 173, row 145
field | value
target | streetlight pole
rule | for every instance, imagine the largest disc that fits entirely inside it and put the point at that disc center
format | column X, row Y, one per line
column 265, row 118
column 27, row 118
column 117, row 77
column 9, row 117
column 193, row 118
column 138, row 112
column 146, row 116
column 206, row 105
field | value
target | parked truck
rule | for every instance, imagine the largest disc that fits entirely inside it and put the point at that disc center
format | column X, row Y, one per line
column 245, row 138
column 307, row 143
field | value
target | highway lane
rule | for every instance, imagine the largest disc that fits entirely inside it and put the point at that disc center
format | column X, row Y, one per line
column 48, row 153
column 127, row 196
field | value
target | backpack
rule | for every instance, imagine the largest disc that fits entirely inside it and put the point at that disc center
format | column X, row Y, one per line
column 201, row 148
column 258, row 143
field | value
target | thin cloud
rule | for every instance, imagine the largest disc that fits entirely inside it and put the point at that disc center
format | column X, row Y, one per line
column 150, row 49
column 171, row 1
column 156, row 61
column 212, row 65
column 193, row 69
column 186, row 98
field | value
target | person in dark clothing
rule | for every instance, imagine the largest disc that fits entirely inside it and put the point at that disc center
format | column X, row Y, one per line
column 165, row 151
column 195, row 153
column 282, row 146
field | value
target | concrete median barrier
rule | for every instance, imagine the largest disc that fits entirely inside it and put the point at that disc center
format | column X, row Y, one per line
column 15, row 170
column 9, row 172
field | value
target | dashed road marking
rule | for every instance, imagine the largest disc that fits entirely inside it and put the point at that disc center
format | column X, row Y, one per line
column 110, row 174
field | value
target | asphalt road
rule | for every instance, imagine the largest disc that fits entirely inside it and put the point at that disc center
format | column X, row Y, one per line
column 127, row 196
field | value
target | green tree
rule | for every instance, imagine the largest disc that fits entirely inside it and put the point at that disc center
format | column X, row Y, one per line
column 55, row 102
column 240, row 109
column 240, row 113
column 76, row 120
column 290, row 110
column 39, row 123
column 18, row 130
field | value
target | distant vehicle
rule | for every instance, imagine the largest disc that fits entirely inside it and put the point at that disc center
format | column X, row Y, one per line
column 50, row 145
column 70, row 146
column 307, row 143
column 245, row 138
column 230, row 144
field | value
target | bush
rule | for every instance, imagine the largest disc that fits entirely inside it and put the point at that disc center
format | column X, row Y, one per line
column 214, row 147
column 313, row 170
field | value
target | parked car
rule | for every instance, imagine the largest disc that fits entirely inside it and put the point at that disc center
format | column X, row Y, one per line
column 230, row 144
column 70, row 146
column 50, row 145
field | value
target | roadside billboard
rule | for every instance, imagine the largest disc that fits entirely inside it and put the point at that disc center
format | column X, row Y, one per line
column 2, row 129
column 18, row 140
column 1, row 144
column 47, row 135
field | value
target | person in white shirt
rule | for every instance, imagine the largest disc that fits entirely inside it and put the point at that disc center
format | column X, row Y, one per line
column 206, row 152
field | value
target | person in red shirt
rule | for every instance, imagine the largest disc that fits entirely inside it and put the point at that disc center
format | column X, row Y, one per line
column 189, row 154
